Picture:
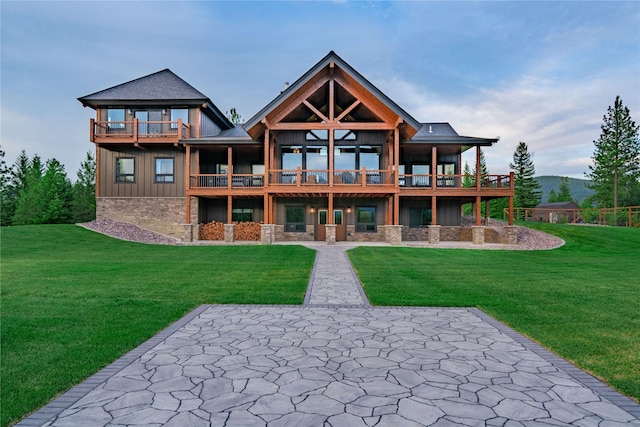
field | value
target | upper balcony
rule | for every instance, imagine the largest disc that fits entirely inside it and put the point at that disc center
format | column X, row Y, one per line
column 355, row 181
column 138, row 131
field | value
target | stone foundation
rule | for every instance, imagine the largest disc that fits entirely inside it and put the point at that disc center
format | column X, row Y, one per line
column 393, row 234
column 477, row 232
column 331, row 234
column 267, row 234
column 229, row 233
column 164, row 215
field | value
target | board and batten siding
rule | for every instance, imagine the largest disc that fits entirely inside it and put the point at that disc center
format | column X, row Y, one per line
column 145, row 172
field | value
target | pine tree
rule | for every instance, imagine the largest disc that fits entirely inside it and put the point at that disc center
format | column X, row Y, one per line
column 57, row 192
column 28, row 183
column 5, row 191
column 528, row 192
column 553, row 197
column 84, row 191
column 564, row 191
column 615, row 173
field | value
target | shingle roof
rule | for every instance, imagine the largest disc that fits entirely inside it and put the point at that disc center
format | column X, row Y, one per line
column 163, row 85
column 443, row 133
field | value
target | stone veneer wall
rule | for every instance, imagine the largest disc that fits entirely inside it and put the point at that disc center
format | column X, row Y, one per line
column 415, row 234
column 163, row 215
column 294, row 236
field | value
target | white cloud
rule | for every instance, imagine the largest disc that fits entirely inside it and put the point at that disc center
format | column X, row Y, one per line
column 557, row 119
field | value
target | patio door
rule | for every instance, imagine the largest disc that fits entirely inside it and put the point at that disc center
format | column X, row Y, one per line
column 320, row 231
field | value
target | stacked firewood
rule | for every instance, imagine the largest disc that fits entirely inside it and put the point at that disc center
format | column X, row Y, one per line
column 243, row 231
column 212, row 231
column 247, row 231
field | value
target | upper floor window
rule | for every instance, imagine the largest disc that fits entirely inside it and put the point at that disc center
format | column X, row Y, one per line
column 179, row 113
column 164, row 169
column 317, row 135
column 125, row 169
column 344, row 135
column 115, row 118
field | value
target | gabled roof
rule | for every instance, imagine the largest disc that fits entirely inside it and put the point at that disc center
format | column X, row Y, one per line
column 161, row 87
column 339, row 62
column 443, row 133
column 557, row 205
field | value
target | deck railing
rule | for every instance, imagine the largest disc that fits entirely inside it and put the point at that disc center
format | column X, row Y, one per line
column 222, row 181
column 139, row 131
column 454, row 181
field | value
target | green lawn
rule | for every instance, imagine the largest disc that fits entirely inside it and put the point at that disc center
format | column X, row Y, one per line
column 582, row 300
column 72, row 301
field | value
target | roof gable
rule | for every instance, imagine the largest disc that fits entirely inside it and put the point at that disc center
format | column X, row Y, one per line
column 350, row 76
column 163, row 85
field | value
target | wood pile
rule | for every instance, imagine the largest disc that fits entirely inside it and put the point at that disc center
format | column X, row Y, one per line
column 243, row 231
column 247, row 231
column 212, row 231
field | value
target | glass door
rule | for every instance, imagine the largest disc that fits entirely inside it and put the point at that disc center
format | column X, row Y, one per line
column 143, row 121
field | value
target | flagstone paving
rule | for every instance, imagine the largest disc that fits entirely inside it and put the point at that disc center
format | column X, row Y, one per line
column 339, row 363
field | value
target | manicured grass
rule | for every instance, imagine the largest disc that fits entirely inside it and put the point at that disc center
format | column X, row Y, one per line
column 582, row 300
column 72, row 301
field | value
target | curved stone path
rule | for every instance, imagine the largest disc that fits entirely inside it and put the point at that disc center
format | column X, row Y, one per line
column 336, row 361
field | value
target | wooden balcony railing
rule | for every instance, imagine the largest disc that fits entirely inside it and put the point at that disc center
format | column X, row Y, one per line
column 349, row 178
column 455, row 181
column 139, row 131
column 223, row 181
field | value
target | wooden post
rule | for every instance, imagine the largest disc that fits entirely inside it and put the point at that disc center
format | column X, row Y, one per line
column 229, row 169
column 331, row 142
column 97, row 170
column 188, row 209
column 229, row 209
column 187, row 154
column 396, row 155
column 434, row 218
column 478, row 169
column 135, row 129
column 330, row 207
column 434, row 166
column 510, row 210
column 478, row 210
column 396, row 209
column 267, row 163
column 92, row 130
column 265, row 215
column 487, row 211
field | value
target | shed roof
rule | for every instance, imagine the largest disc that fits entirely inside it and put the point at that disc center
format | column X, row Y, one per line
column 557, row 205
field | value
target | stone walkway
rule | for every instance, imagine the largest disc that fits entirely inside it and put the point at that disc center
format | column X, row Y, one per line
column 336, row 361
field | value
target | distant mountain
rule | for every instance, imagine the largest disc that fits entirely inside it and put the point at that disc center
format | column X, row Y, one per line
column 579, row 189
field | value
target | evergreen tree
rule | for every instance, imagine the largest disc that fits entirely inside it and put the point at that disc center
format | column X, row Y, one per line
column 528, row 192
column 5, row 191
column 233, row 116
column 553, row 197
column 29, row 201
column 84, row 191
column 468, row 180
column 14, row 182
column 46, row 195
column 615, row 172
column 564, row 191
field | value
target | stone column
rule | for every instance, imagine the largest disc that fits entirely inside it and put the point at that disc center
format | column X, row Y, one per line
column 393, row 234
column 510, row 236
column 433, row 233
column 267, row 233
column 331, row 234
column 229, row 233
column 477, row 232
column 187, row 236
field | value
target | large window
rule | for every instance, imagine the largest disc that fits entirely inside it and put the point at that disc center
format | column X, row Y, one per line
column 164, row 169
column 242, row 215
column 115, row 118
column 295, row 220
column 419, row 217
column 179, row 113
column 125, row 169
column 366, row 219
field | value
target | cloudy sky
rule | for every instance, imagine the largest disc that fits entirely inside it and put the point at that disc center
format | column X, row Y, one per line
column 539, row 72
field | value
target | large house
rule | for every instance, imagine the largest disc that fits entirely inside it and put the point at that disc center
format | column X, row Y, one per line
column 331, row 158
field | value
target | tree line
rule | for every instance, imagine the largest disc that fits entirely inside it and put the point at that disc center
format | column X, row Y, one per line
column 614, row 174
column 33, row 192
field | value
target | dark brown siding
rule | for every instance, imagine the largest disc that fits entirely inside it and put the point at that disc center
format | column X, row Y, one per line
column 144, row 185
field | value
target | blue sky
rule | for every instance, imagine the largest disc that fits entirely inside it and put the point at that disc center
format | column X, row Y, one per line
column 539, row 72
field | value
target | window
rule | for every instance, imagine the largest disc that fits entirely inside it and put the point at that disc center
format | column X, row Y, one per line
column 344, row 135
column 366, row 219
column 317, row 135
column 419, row 217
column 179, row 113
column 164, row 169
column 242, row 215
column 295, row 220
column 115, row 117
column 125, row 169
